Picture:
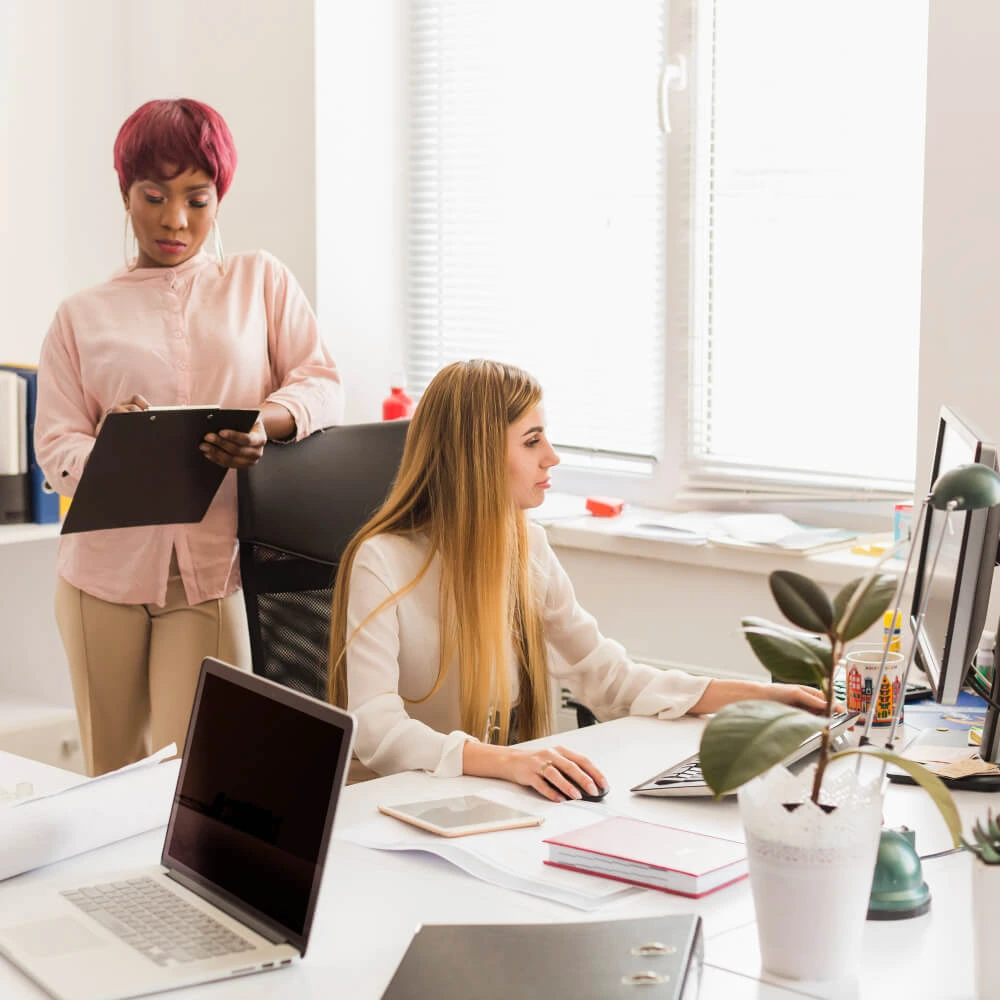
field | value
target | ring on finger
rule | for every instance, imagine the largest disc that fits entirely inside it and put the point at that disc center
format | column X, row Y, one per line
column 545, row 766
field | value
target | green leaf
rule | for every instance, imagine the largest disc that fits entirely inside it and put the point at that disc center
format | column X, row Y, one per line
column 986, row 840
column 788, row 659
column 876, row 596
column 930, row 783
column 819, row 644
column 747, row 738
column 801, row 601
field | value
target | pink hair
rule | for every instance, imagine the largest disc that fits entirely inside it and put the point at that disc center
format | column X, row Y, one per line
column 182, row 134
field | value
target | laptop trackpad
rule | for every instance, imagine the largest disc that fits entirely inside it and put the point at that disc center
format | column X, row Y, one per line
column 53, row 937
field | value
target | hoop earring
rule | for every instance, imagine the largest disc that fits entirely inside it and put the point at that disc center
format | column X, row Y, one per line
column 219, row 253
column 130, row 247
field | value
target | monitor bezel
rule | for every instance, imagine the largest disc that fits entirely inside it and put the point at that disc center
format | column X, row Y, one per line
column 973, row 579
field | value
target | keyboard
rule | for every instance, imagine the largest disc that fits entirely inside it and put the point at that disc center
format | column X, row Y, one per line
column 156, row 922
column 685, row 777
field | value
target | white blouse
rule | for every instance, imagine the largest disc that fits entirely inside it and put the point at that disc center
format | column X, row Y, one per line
column 394, row 660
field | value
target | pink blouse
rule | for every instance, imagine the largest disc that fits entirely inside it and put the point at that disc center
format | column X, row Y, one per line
column 175, row 335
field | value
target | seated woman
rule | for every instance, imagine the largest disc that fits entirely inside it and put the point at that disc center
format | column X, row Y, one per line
column 448, row 602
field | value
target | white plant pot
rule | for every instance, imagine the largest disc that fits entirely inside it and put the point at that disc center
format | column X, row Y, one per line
column 986, row 928
column 811, row 871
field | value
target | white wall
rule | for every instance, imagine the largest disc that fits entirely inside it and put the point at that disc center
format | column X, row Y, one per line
column 71, row 71
column 61, row 100
column 359, row 199
column 960, row 320
column 253, row 61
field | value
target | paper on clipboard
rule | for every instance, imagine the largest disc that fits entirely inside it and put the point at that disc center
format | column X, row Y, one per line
column 147, row 468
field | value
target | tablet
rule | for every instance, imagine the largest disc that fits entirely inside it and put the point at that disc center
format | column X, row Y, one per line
column 461, row 815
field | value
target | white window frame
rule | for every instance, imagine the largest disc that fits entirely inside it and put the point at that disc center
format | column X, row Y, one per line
column 363, row 195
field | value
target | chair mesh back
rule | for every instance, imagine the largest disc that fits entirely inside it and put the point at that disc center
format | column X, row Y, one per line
column 290, row 637
column 298, row 509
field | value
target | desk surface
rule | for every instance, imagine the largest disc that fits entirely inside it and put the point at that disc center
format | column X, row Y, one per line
column 372, row 901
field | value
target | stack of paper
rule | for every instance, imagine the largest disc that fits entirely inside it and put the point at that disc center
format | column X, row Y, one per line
column 69, row 815
column 776, row 531
column 745, row 531
column 687, row 528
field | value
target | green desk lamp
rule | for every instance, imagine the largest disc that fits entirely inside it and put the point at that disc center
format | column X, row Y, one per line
column 898, row 887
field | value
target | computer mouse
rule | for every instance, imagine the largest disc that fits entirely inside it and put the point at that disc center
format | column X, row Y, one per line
column 584, row 794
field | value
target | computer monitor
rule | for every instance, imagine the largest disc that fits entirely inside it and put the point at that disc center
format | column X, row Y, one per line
column 955, row 616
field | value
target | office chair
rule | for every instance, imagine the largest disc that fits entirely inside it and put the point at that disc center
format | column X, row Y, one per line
column 298, row 508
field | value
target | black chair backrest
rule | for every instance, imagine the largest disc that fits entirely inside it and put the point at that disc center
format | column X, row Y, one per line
column 298, row 508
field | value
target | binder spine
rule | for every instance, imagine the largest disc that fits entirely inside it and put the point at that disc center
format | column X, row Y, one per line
column 15, row 499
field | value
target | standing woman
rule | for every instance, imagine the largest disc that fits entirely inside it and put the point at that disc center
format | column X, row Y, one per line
column 138, row 608
column 449, row 602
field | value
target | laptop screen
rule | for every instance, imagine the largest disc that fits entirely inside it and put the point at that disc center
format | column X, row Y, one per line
column 258, row 782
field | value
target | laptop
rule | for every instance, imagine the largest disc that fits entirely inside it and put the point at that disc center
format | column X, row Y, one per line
column 242, row 859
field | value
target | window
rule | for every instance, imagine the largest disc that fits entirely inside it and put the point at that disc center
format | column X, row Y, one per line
column 732, row 303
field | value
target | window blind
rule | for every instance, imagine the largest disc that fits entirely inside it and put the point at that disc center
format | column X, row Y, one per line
column 809, row 174
column 536, row 195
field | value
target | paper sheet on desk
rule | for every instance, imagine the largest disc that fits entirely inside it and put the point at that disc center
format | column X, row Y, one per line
column 949, row 761
column 59, row 824
column 689, row 528
column 513, row 859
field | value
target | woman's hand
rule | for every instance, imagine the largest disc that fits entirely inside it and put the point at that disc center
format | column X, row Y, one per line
column 546, row 769
column 720, row 693
column 130, row 405
column 234, row 449
column 798, row 696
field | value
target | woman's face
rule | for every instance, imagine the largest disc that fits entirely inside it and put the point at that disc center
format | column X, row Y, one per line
column 171, row 218
column 529, row 458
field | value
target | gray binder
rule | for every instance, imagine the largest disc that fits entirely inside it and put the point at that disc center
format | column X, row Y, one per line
column 146, row 468
column 657, row 958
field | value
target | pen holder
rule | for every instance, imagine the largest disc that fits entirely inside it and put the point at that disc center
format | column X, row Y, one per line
column 861, row 668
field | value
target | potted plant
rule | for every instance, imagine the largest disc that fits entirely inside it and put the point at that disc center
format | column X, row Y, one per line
column 812, row 838
column 985, row 845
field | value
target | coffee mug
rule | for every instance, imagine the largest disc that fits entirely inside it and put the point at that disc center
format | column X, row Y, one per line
column 861, row 672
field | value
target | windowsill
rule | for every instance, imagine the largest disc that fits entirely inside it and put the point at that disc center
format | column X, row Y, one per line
column 567, row 529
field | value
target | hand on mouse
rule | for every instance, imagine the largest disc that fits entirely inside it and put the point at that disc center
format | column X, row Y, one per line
column 546, row 769
column 552, row 771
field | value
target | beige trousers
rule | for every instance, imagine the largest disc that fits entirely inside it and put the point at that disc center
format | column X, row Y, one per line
column 134, row 667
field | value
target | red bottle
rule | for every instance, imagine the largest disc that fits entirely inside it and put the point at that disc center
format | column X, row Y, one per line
column 397, row 405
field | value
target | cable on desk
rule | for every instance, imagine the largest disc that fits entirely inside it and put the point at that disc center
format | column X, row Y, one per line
column 942, row 854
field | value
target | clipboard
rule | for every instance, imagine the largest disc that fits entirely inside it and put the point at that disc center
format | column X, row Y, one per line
column 146, row 468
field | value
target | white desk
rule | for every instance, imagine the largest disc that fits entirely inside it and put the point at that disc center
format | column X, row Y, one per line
column 372, row 901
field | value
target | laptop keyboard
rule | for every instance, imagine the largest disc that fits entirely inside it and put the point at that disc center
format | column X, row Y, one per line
column 156, row 922
column 685, row 777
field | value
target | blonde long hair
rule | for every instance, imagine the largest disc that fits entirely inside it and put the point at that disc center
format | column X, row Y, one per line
column 453, row 486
